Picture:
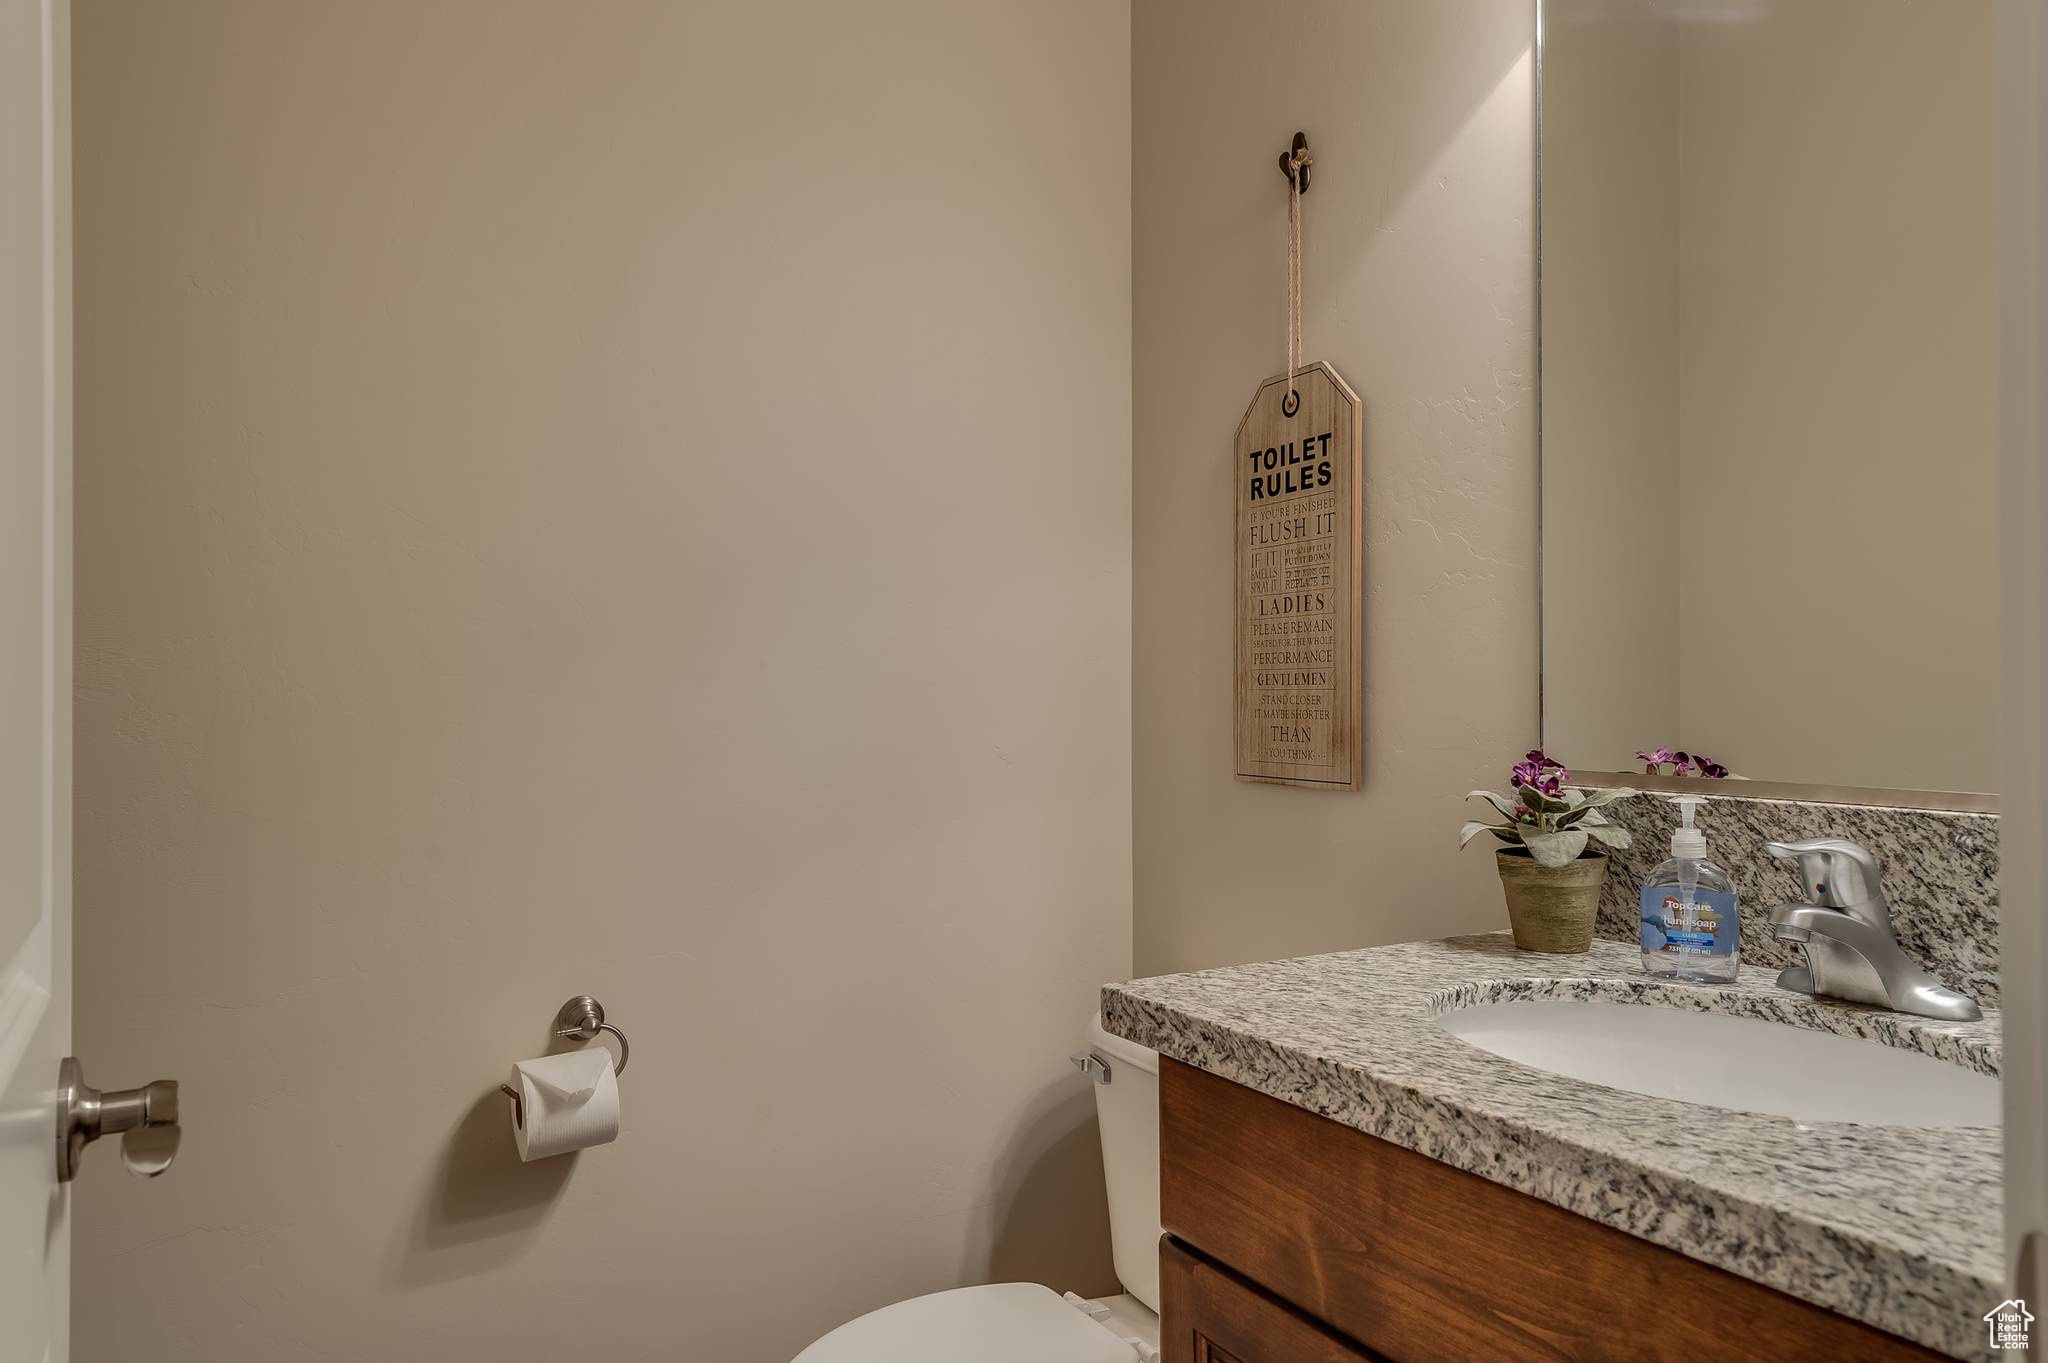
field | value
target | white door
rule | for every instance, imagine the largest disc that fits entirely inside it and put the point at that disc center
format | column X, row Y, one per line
column 2023, row 532
column 35, row 674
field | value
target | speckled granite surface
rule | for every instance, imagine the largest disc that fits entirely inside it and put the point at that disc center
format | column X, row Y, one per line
column 1895, row 1227
column 1940, row 875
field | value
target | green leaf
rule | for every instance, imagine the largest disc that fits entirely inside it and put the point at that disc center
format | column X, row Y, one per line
column 1556, row 849
column 1610, row 835
column 1542, row 803
column 1474, row 829
column 1596, row 798
column 1585, row 816
column 1500, row 802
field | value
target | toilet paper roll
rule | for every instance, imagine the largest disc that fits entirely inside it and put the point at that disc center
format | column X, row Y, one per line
column 571, row 1103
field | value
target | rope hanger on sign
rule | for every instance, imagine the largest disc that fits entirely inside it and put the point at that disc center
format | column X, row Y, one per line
column 1294, row 164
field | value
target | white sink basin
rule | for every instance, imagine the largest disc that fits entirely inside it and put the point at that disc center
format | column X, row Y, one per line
column 1730, row 1062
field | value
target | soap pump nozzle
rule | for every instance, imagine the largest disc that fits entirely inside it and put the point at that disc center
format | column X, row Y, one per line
column 1688, row 843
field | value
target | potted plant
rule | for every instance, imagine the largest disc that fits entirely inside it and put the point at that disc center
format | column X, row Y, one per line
column 1553, row 865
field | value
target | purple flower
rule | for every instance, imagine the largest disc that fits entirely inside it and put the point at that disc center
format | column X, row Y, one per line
column 1682, row 763
column 1546, row 775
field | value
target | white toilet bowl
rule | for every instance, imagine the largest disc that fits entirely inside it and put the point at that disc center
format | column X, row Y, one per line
column 1000, row 1323
column 1023, row 1322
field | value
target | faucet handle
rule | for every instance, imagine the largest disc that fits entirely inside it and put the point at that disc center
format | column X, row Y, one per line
column 1838, row 873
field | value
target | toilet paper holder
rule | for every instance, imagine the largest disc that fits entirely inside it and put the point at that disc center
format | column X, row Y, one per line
column 580, row 1019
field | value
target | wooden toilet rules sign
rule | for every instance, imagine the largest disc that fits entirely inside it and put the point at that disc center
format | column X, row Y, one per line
column 1298, row 580
column 1297, row 464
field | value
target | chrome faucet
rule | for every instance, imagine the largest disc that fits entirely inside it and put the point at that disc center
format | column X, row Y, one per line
column 1846, row 929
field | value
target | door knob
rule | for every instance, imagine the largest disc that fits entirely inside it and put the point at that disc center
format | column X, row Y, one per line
column 146, row 1118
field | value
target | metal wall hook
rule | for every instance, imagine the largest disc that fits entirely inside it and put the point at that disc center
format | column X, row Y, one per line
column 580, row 1019
column 1287, row 160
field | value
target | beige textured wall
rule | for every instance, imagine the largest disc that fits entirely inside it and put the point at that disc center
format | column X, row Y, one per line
column 1838, row 383
column 1610, row 380
column 1420, row 289
column 628, row 498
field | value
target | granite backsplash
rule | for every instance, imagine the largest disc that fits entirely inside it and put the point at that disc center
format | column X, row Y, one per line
column 1940, row 875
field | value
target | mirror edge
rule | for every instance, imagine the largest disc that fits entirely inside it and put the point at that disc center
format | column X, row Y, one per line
column 1880, row 797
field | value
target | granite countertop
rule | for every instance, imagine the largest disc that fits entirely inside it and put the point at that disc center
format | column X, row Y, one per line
column 1896, row 1227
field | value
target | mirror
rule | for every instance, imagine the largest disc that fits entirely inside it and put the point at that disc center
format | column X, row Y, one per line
column 1769, row 388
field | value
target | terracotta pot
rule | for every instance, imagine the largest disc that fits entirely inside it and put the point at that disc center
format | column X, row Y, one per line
column 1552, row 908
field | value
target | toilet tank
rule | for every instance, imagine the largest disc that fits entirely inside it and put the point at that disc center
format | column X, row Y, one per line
column 1127, row 1107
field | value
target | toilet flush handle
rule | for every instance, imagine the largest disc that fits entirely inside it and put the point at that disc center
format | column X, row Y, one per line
column 1092, row 1065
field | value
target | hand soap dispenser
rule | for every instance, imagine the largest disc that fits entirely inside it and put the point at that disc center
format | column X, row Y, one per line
column 1691, row 930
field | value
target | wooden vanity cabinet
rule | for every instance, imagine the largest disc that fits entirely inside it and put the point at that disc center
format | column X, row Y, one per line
column 1210, row 1315
column 1295, row 1239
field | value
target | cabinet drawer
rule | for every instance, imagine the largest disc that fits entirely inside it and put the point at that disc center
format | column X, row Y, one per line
column 1208, row 1314
column 1417, row 1261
